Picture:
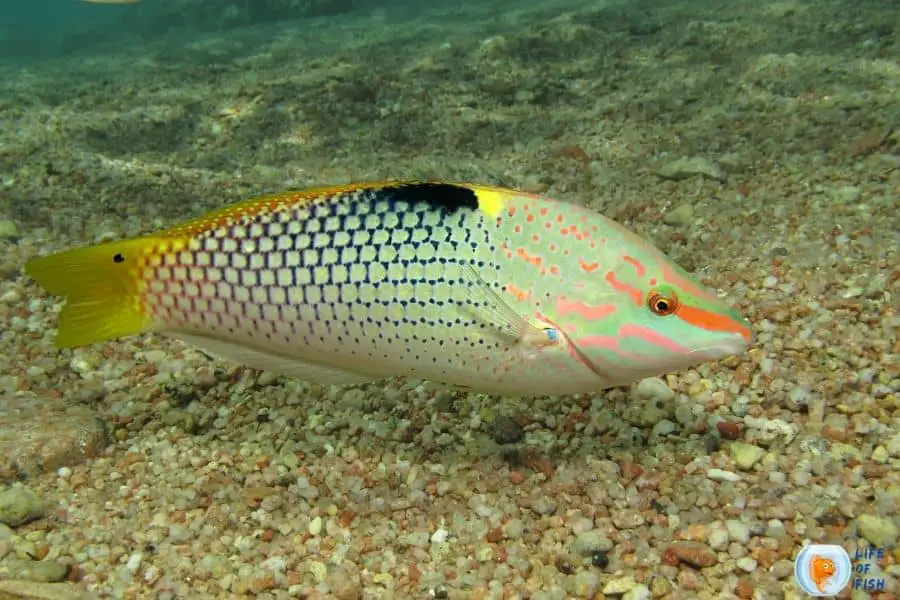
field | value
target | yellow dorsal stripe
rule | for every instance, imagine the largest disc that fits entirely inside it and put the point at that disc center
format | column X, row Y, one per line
column 265, row 204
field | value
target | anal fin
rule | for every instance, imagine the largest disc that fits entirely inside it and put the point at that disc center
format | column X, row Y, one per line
column 276, row 363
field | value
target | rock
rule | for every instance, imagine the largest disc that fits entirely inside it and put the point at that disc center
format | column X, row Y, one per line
column 9, row 230
column 585, row 584
column 20, row 505
column 344, row 581
column 745, row 455
column 651, row 403
column 506, row 430
column 17, row 588
column 619, row 585
column 679, row 217
column 587, row 543
column 40, row 435
column 881, row 531
column 685, row 168
column 638, row 592
column 694, row 554
column 737, row 531
column 847, row 195
column 660, row 586
column 718, row 538
column 45, row 571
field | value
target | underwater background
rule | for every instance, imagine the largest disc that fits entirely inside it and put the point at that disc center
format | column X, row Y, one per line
column 756, row 143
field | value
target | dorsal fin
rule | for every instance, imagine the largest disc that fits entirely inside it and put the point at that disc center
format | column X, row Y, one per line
column 446, row 196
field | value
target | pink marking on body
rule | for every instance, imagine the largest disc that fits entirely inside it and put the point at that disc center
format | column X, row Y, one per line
column 652, row 337
column 617, row 285
column 588, row 267
column 638, row 266
column 611, row 343
column 589, row 312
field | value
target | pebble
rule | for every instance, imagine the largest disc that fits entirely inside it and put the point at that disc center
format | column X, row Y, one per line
column 747, row 564
column 738, row 531
column 745, row 455
column 619, row 585
column 722, row 475
column 46, row 571
column 506, row 430
column 685, row 168
column 41, row 435
column 679, row 217
column 315, row 526
column 588, row 542
column 881, row 531
column 9, row 230
column 586, row 583
column 544, row 506
column 718, row 538
column 694, row 554
column 19, row 505
column 20, row 588
column 513, row 529
column 638, row 592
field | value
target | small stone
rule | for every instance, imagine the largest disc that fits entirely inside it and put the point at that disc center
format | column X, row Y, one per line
column 722, row 475
column 638, row 592
column 8, row 230
column 506, row 430
column 513, row 529
column 619, row 585
column 660, row 586
column 654, row 388
column 600, row 559
column 880, row 531
column 737, row 531
column 544, row 506
column 20, row 588
column 847, row 195
column 695, row 554
column 679, row 217
column 745, row 455
column 880, row 455
column 685, row 168
column 315, row 526
column 744, row 589
column 728, row 430
column 41, row 434
column 588, row 542
column 747, row 564
column 20, row 505
column 586, row 584
column 628, row 519
column 718, row 538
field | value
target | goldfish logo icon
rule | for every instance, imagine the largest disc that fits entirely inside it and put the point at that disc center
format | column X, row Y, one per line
column 822, row 569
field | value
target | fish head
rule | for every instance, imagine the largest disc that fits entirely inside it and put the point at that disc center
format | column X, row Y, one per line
column 635, row 314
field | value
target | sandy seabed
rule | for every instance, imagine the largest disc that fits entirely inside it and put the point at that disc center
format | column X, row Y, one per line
column 754, row 142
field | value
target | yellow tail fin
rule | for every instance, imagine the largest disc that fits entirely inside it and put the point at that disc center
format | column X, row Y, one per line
column 102, row 288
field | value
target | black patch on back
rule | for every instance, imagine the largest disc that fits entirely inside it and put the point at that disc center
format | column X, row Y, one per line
column 443, row 196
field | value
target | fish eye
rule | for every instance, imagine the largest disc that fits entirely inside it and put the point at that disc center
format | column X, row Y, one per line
column 662, row 304
column 552, row 334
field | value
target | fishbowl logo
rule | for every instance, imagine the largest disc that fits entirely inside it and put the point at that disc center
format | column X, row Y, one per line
column 822, row 569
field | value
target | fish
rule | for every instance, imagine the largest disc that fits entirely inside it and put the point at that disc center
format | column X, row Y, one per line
column 477, row 287
column 821, row 569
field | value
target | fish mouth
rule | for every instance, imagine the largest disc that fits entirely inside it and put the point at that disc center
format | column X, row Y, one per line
column 724, row 348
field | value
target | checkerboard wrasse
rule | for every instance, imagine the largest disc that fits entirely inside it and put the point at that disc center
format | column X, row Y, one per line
column 480, row 287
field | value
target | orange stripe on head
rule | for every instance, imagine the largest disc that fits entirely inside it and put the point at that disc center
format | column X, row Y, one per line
column 617, row 285
column 712, row 321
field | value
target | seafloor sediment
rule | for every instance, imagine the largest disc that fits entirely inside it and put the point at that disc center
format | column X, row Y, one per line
column 755, row 142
